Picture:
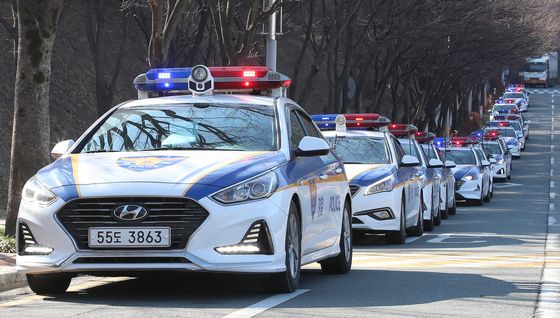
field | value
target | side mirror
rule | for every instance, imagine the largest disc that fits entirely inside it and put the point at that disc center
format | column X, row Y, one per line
column 450, row 164
column 435, row 163
column 61, row 148
column 485, row 163
column 312, row 146
column 493, row 161
column 409, row 161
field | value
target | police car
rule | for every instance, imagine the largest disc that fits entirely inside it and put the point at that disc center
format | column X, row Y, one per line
column 384, row 180
column 503, row 108
column 472, row 180
column 517, row 98
column 510, row 137
column 429, row 171
column 520, row 88
column 200, row 182
column 447, row 180
column 449, row 202
column 494, row 145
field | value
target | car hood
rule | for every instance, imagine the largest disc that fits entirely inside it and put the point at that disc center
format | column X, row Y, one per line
column 460, row 170
column 366, row 174
column 217, row 169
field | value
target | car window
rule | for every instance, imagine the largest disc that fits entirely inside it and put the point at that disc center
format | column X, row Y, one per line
column 185, row 126
column 429, row 152
column 410, row 148
column 297, row 132
column 399, row 151
column 361, row 150
column 310, row 128
column 494, row 149
column 461, row 157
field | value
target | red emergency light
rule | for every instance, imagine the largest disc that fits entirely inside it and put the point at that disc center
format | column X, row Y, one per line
column 504, row 124
column 463, row 141
column 492, row 135
column 246, row 77
column 510, row 101
column 365, row 120
column 402, row 130
column 424, row 137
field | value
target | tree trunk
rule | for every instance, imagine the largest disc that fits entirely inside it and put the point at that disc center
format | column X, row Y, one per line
column 37, row 23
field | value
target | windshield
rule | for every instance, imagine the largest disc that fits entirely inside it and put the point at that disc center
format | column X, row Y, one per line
column 410, row 148
column 535, row 68
column 186, row 127
column 461, row 157
column 516, row 126
column 493, row 148
column 498, row 108
column 360, row 150
column 506, row 132
column 514, row 95
column 429, row 152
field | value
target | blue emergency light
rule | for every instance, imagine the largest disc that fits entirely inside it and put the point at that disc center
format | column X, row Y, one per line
column 478, row 134
column 325, row 121
column 441, row 142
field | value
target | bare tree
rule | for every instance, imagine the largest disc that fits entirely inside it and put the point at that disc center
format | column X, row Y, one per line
column 37, row 25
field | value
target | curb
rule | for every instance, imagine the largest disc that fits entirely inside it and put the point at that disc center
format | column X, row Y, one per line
column 11, row 279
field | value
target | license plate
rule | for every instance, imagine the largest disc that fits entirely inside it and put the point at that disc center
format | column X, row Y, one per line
column 129, row 237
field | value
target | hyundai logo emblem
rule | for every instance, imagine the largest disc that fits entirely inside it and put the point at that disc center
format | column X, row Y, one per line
column 130, row 212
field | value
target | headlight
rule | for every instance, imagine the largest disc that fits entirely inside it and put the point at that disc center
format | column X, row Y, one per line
column 257, row 188
column 471, row 175
column 35, row 193
column 384, row 185
column 501, row 161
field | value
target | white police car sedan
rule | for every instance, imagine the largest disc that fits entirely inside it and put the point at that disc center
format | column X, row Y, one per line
column 225, row 183
column 510, row 137
column 384, row 181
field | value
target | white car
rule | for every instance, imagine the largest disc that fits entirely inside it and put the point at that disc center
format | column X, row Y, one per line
column 448, row 204
column 202, row 182
column 498, row 151
column 384, row 181
column 510, row 137
column 519, row 133
column 472, row 182
column 517, row 98
column 503, row 108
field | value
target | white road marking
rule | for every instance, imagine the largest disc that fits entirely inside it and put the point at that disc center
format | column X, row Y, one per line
column 551, row 206
column 551, row 220
column 551, row 173
column 551, row 161
column 412, row 239
column 442, row 237
column 552, row 195
column 552, row 184
column 265, row 305
column 506, row 185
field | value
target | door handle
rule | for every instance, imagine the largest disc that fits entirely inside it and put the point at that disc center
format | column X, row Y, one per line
column 338, row 170
column 323, row 177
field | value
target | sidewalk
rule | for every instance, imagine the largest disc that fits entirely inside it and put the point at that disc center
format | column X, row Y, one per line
column 9, row 278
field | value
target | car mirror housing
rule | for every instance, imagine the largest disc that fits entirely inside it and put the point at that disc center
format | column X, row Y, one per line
column 61, row 148
column 312, row 146
column 492, row 160
column 485, row 163
column 435, row 163
column 450, row 164
column 409, row 161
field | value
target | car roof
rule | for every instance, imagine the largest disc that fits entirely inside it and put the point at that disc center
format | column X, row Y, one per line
column 354, row 133
column 218, row 99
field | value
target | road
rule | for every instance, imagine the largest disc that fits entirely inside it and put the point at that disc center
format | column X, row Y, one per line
column 483, row 262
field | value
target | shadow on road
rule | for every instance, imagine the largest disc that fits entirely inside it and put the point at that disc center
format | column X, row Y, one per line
column 185, row 290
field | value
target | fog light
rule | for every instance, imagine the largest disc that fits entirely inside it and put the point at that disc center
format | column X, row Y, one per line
column 257, row 240
column 382, row 215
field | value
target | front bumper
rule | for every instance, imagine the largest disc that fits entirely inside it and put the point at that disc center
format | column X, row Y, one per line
column 224, row 226
column 363, row 207
column 500, row 171
column 468, row 190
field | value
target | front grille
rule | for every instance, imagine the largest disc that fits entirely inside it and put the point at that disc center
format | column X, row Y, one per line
column 182, row 215
column 354, row 189
column 131, row 260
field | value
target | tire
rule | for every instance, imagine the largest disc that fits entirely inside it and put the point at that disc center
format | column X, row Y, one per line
column 509, row 176
column 288, row 281
column 418, row 230
column 487, row 197
column 445, row 212
column 480, row 201
column 437, row 218
column 342, row 263
column 399, row 237
column 492, row 191
column 453, row 209
column 429, row 224
column 49, row 284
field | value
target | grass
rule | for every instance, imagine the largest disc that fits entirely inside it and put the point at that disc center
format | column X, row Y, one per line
column 7, row 243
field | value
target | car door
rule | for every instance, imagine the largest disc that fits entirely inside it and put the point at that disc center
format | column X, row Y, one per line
column 411, row 181
column 315, row 191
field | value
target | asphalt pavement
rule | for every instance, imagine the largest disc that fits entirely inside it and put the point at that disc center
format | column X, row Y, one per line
column 483, row 262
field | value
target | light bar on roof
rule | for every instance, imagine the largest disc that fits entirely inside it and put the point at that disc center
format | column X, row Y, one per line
column 231, row 78
column 402, row 130
column 424, row 137
column 463, row 141
column 492, row 134
column 442, row 142
column 353, row 121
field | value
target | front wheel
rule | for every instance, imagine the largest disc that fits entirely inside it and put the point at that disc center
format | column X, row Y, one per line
column 342, row 263
column 399, row 237
column 418, row 230
column 45, row 284
column 288, row 281
column 445, row 212
column 453, row 209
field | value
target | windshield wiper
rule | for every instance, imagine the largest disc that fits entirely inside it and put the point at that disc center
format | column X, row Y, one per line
column 353, row 163
column 100, row 150
column 180, row 148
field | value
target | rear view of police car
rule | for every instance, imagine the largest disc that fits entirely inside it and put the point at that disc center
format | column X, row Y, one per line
column 200, row 182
